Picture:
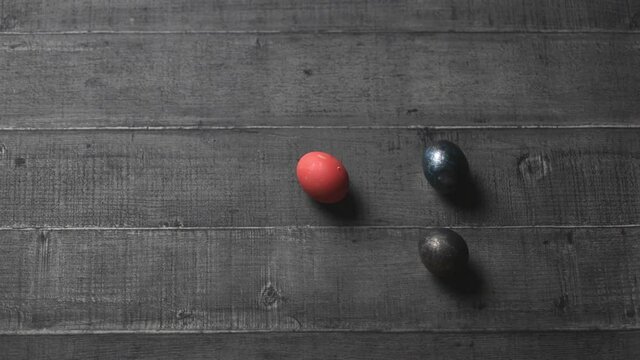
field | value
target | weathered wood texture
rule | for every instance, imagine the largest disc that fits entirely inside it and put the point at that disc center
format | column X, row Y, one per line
column 596, row 345
column 332, row 79
column 315, row 279
column 532, row 292
column 313, row 15
column 247, row 178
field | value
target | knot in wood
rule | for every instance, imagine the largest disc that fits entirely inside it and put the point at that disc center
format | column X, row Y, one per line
column 269, row 297
column 533, row 168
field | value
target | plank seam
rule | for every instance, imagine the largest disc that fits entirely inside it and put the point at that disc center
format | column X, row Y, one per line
column 314, row 227
column 322, row 32
column 345, row 127
column 312, row 331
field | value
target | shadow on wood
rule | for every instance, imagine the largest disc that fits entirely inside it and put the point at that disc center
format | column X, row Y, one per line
column 346, row 210
column 468, row 197
column 468, row 281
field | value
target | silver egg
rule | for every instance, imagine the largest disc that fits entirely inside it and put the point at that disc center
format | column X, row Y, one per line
column 444, row 252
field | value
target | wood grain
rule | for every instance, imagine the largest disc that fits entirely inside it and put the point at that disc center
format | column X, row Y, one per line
column 234, row 93
column 247, row 178
column 337, row 278
column 60, row 81
column 598, row 345
column 310, row 15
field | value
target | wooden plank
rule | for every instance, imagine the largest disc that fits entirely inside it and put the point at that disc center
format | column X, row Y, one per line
column 313, row 15
column 62, row 81
column 315, row 279
column 247, row 178
column 598, row 345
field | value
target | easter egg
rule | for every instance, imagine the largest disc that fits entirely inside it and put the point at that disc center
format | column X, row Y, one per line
column 323, row 177
column 445, row 166
column 443, row 252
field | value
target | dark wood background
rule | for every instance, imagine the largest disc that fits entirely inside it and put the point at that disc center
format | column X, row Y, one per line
column 149, row 208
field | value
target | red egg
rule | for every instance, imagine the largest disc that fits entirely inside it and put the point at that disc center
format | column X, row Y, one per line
column 323, row 177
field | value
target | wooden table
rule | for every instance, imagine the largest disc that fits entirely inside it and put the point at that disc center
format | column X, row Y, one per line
column 149, row 208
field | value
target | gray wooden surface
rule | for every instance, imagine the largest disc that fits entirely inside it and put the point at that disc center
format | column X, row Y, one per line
column 309, row 278
column 591, row 345
column 246, row 177
column 314, row 15
column 479, row 79
column 149, row 209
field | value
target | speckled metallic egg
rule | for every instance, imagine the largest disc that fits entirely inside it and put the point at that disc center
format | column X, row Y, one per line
column 444, row 252
column 445, row 166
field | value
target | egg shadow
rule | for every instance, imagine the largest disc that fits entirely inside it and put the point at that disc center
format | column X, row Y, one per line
column 347, row 210
column 467, row 282
column 468, row 196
